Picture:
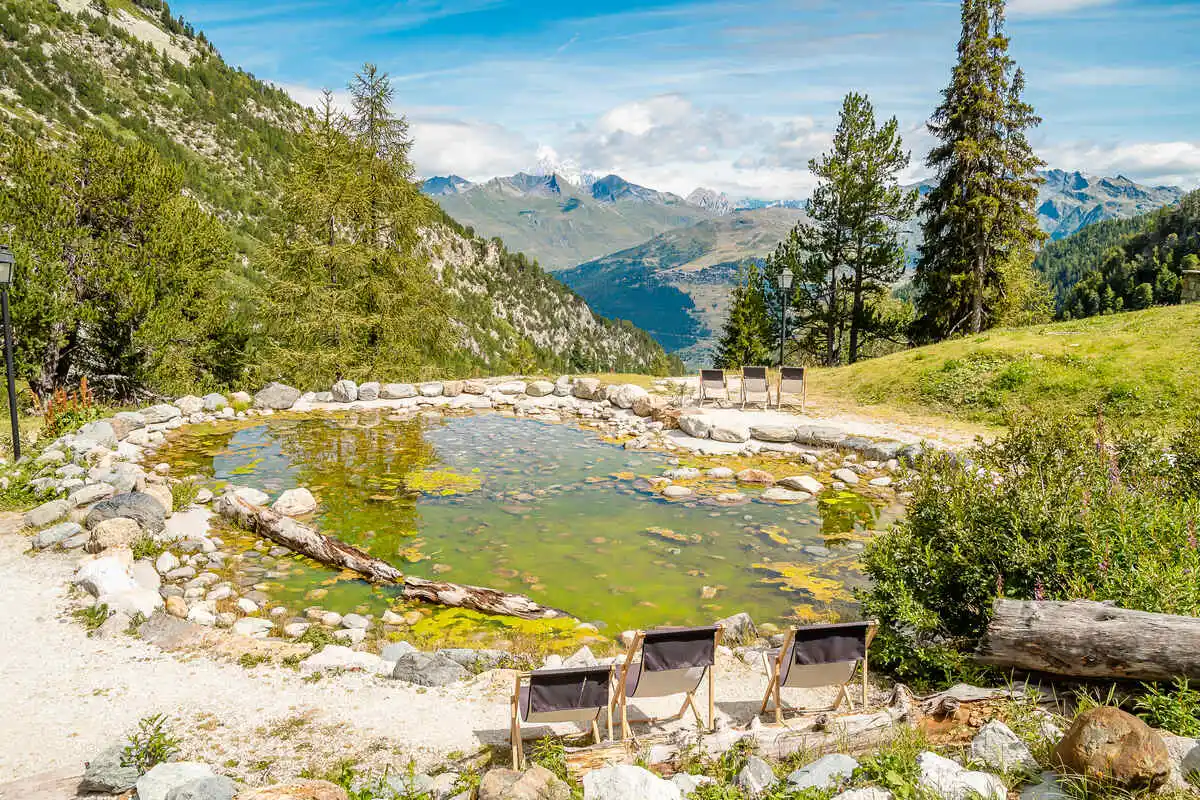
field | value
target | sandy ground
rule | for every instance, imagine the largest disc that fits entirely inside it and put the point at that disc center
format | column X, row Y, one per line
column 67, row 696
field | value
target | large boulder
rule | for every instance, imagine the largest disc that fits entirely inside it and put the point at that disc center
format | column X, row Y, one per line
column 56, row 534
column 846, row 476
column 345, row 391
column 147, row 511
column 756, row 777
column 539, row 388
column 802, row 483
column 335, row 657
column 105, row 576
column 625, row 782
column 733, row 431
column 163, row 412
column 297, row 790
column 648, row 405
column 770, row 432
column 431, row 389
column 587, row 389
column 397, row 391
column 277, row 396
column 162, row 778
column 738, row 629
column 998, row 748
column 535, row 783
column 46, row 513
column 115, row 532
column 428, row 669
column 93, row 492
column 126, row 422
column 696, row 425
column 107, row 774
column 368, row 391
column 1110, row 746
column 189, row 404
column 826, row 772
column 95, row 434
column 757, row 476
column 214, row 787
column 295, row 503
column 213, row 402
column 952, row 781
column 625, row 395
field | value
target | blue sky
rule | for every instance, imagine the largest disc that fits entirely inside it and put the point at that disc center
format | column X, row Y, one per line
column 731, row 95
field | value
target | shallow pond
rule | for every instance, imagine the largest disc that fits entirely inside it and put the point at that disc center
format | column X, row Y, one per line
column 545, row 509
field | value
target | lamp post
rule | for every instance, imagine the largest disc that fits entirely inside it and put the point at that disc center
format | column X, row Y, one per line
column 7, row 265
column 785, row 286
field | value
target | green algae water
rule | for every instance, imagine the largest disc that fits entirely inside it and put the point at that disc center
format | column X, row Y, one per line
column 550, row 510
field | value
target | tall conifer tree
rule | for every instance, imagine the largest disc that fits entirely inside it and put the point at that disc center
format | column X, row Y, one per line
column 980, row 230
column 745, row 340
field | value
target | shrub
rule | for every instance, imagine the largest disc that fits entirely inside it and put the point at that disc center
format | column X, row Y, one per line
column 183, row 494
column 66, row 411
column 1053, row 509
column 151, row 744
column 92, row 617
column 1177, row 711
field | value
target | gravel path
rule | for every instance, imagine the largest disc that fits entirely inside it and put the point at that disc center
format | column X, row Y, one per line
column 67, row 696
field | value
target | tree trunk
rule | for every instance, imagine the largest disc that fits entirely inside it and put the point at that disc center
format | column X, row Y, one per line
column 1086, row 639
column 856, row 311
column 977, row 296
column 831, row 327
column 319, row 547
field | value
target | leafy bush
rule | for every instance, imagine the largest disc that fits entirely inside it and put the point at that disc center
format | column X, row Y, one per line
column 1177, row 711
column 151, row 744
column 1053, row 509
column 183, row 494
column 65, row 411
column 92, row 617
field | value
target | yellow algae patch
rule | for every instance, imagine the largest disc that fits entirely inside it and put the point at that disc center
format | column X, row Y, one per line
column 808, row 613
column 412, row 554
column 622, row 476
column 776, row 534
column 672, row 536
column 441, row 482
column 800, row 577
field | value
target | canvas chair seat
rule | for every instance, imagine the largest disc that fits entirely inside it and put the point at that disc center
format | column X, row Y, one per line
column 755, row 388
column 674, row 661
column 713, row 385
column 549, row 696
column 661, row 683
column 814, row 656
column 792, row 382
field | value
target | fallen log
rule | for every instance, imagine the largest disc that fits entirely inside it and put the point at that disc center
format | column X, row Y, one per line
column 330, row 551
column 1085, row 639
column 815, row 734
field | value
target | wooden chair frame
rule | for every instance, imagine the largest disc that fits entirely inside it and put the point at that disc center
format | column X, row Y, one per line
column 803, row 391
column 775, row 669
column 622, row 699
column 516, row 741
column 724, row 380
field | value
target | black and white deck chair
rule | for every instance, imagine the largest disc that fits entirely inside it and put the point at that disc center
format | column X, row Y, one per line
column 713, row 385
column 547, row 696
column 673, row 661
column 792, row 381
column 755, row 388
column 814, row 656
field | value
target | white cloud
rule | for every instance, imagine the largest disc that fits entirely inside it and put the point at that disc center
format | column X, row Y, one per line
column 476, row 151
column 1032, row 8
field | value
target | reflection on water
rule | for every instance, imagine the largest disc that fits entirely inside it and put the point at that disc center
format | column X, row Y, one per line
column 548, row 510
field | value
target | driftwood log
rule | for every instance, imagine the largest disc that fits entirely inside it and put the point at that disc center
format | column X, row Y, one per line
column 816, row 734
column 312, row 543
column 1085, row 639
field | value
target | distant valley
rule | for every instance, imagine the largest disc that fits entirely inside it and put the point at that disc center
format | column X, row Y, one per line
column 666, row 262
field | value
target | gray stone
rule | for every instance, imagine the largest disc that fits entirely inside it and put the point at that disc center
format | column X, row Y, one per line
column 535, row 783
column 738, row 629
column 254, row 627
column 215, row 787
column 688, row 783
column 276, row 396
column 846, row 476
column 46, row 514
column 404, row 785
column 777, row 494
column 696, row 425
column 539, row 388
column 1047, row 789
column 474, row 660
column 254, row 497
column 51, row 456
column 721, row 473
column 146, row 575
column 106, row 774
column 627, row 782
column 802, row 483
column 819, row 436
column 430, row 389
column 677, row 492
column 345, row 391
column 826, row 772
column 295, row 503
column 161, row 779
column 214, row 402
column 683, row 473
column 428, row 669
column 998, row 748
column 89, row 494
column 104, row 576
column 773, row 432
column 189, row 404
column 586, row 388
column 951, row 781
column 56, row 535
column 95, row 434
column 733, row 431
column 356, row 621
column 126, row 422
column 163, row 412
column 368, row 391
column 756, row 777
column 626, row 394
column 138, row 506
column 396, row 650
column 337, row 657
column 397, row 391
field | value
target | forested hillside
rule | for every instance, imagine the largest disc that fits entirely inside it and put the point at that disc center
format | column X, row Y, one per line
column 146, row 198
column 1126, row 264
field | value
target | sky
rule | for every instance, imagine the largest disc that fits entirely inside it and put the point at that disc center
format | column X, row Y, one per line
column 734, row 96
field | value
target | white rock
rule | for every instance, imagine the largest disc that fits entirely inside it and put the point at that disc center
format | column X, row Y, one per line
column 729, row 431
column 951, row 781
column 214, row 402
column 202, row 614
column 695, row 425
column 156, row 415
column 881, row 481
column 540, row 388
column 246, row 605
column 866, row 793
column 133, row 601
column 146, row 575
column 824, row 773
column 294, row 629
column 337, row 657
column 368, row 391
column 250, row 495
column 397, row 391
column 254, row 627
column 352, row 635
column 777, row 494
column 627, row 782
column 802, row 483
column 345, row 391
column 626, row 394
column 431, row 389
column 998, row 748
column 688, row 783
column 1047, row 789
column 295, row 503
column 161, row 779
column 721, row 473
column 105, row 576
column 676, row 492
column 189, row 404
column 355, row 621
column 511, row 387
column 846, row 476
column 756, row 777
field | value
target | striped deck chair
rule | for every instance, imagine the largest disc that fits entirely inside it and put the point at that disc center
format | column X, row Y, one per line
column 755, row 388
column 544, row 696
column 792, row 381
column 713, row 385
column 674, row 661
column 813, row 656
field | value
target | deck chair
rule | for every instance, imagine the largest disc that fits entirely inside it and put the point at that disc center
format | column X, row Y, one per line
column 791, row 381
column 755, row 387
column 813, row 656
column 544, row 696
column 674, row 661
column 713, row 385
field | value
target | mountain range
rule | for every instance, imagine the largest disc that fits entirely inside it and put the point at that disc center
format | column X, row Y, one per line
column 674, row 280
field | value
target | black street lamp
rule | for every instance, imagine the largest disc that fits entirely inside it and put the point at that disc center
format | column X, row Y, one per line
column 785, row 286
column 7, row 265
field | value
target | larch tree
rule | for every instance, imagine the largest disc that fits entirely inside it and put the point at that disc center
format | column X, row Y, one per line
column 980, row 230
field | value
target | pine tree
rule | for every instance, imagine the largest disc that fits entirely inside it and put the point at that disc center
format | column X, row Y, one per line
column 745, row 340
column 848, row 253
column 980, row 230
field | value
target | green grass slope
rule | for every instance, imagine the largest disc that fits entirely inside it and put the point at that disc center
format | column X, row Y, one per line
column 1140, row 367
